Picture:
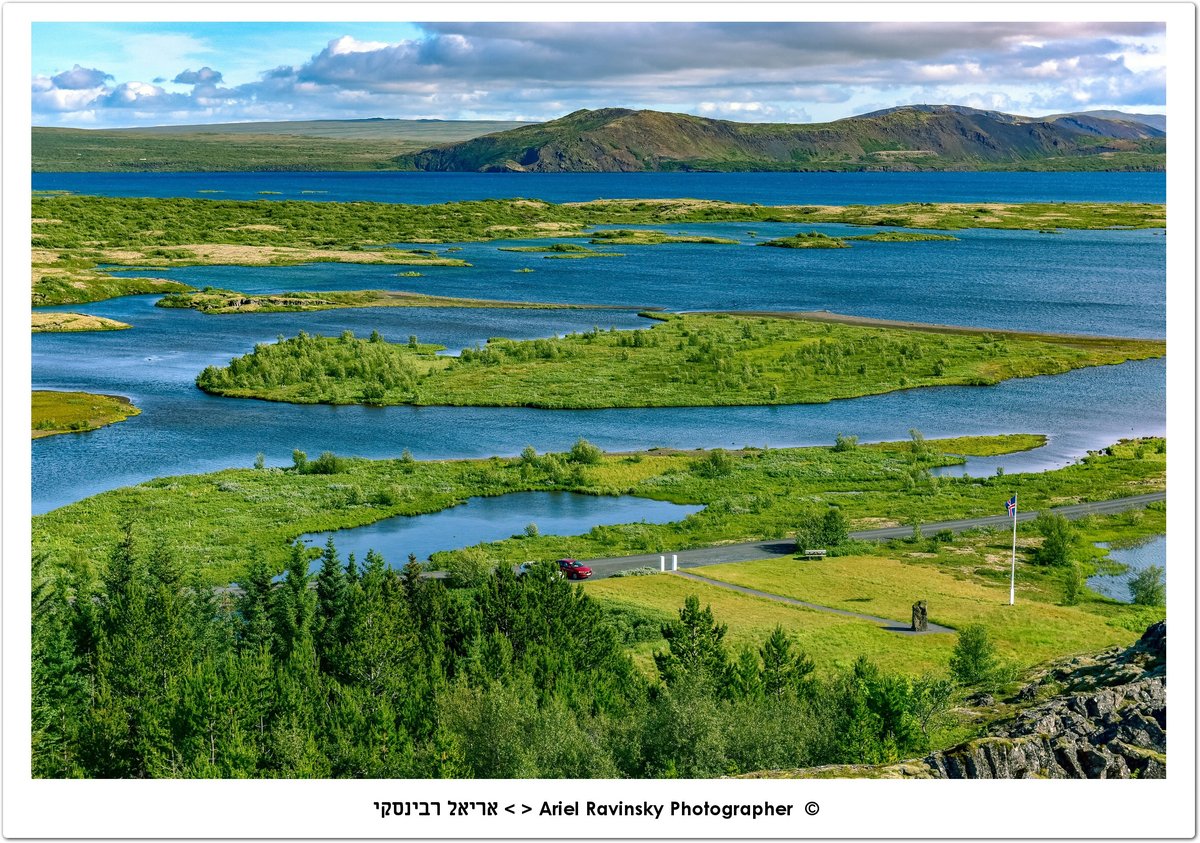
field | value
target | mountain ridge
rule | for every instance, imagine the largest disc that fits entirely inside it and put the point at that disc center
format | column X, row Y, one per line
column 910, row 137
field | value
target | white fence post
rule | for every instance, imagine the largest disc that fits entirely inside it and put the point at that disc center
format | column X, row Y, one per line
column 674, row 562
column 662, row 563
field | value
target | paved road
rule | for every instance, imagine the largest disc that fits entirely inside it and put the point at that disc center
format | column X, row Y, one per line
column 889, row 625
column 775, row 548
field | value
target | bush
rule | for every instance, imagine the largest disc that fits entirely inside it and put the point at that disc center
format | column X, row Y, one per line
column 1149, row 587
column 1058, row 540
column 299, row 460
column 1073, row 583
column 845, row 443
column 328, row 463
column 717, row 463
column 585, row 453
column 974, row 661
column 468, row 568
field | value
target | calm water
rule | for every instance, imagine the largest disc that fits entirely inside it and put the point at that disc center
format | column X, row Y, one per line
column 1138, row 558
column 182, row 430
column 765, row 188
column 1099, row 282
column 491, row 519
column 1102, row 282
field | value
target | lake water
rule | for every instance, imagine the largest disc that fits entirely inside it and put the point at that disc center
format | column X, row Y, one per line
column 492, row 519
column 1092, row 282
column 1102, row 282
column 1138, row 558
column 764, row 188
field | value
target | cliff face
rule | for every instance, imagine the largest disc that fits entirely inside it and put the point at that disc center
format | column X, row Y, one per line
column 1099, row 717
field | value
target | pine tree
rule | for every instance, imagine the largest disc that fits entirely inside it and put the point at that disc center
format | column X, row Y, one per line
column 695, row 646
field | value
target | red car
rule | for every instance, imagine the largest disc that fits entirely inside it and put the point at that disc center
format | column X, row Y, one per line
column 574, row 570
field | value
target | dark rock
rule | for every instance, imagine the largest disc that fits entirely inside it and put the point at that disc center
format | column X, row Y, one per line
column 920, row 617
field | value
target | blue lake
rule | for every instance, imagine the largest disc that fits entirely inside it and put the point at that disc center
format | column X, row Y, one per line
column 1110, row 282
column 1138, row 558
column 491, row 519
column 765, row 188
column 1103, row 282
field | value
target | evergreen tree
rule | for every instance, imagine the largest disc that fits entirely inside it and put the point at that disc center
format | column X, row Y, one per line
column 695, row 646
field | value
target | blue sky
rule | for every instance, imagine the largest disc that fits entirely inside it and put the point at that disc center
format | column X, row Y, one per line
column 140, row 74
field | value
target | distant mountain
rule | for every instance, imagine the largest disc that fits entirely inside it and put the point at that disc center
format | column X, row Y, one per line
column 916, row 137
column 1156, row 121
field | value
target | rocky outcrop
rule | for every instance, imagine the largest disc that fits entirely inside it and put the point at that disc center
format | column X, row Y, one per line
column 1107, row 719
column 1089, row 717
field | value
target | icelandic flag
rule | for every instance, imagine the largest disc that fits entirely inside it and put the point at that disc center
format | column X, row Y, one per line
column 1012, row 505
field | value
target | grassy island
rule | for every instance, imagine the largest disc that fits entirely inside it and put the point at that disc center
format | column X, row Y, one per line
column 808, row 240
column 62, row 323
column 213, row 300
column 76, row 412
column 685, row 360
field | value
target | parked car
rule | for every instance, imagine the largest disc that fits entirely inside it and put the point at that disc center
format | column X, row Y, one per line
column 574, row 570
column 524, row 568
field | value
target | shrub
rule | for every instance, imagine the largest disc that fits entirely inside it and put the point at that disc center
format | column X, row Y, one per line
column 1072, row 584
column 328, row 463
column 585, row 453
column 1058, row 539
column 1149, row 587
column 299, row 460
column 468, row 567
column 974, row 661
column 717, row 463
column 845, row 443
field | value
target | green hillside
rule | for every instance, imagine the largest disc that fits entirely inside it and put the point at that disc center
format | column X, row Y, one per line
column 908, row 138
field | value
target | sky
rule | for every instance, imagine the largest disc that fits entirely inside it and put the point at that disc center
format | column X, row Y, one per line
column 102, row 75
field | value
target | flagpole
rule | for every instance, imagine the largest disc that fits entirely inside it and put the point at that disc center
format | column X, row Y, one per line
column 1012, row 582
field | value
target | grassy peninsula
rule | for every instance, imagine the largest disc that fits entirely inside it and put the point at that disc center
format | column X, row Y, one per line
column 61, row 323
column 214, row 300
column 684, row 360
column 76, row 412
column 75, row 235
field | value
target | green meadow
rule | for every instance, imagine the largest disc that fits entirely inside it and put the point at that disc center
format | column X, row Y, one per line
column 216, row 519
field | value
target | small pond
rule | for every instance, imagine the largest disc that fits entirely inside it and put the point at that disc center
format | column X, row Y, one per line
column 487, row 519
column 1137, row 558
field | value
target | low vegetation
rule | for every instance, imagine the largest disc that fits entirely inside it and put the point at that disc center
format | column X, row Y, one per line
column 213, row 300
column 808, row 240
column 642, row 237
column 74, row 235
column 61, row 323
column 76, row 412
column 900, row 237
column 684, row 360
column 746, row 495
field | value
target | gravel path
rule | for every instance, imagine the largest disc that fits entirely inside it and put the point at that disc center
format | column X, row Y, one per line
column 890, row 626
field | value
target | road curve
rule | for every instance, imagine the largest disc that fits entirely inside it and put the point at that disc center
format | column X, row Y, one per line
column 776, row 548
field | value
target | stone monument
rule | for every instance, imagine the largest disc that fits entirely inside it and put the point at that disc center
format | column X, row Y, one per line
column 920, row 619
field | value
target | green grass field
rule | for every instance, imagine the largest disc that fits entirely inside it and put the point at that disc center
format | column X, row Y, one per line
column 76, row 412
column 685, row 360
column 830, row 640
column 963, row 582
